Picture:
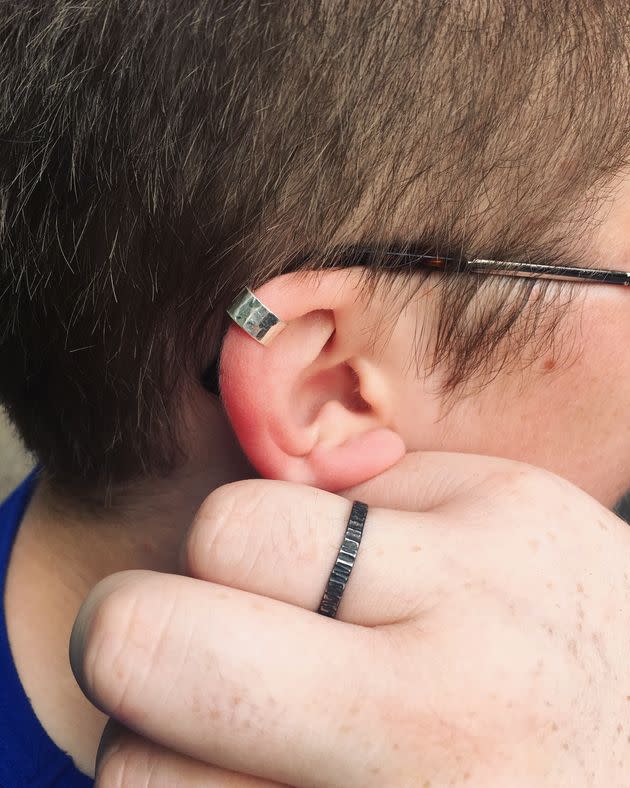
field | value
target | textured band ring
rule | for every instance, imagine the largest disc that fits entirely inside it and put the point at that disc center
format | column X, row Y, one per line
column 345, row 561
column 252, row 316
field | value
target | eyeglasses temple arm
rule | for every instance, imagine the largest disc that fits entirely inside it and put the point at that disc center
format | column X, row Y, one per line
column 565, row 273
column 528, row 270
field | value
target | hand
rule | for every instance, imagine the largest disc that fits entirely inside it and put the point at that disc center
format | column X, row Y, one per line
column 483, row 639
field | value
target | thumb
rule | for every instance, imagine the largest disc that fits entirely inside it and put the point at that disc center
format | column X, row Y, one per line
column 426, row 480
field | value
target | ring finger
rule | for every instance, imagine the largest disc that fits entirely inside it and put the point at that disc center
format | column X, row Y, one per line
column 281, row 540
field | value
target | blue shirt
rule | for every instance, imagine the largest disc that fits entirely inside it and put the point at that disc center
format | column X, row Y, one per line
column 28, row 756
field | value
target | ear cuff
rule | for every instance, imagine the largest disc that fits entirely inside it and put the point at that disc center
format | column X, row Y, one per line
column 250, row 314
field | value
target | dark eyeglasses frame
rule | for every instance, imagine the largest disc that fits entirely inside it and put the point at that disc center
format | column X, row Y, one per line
column 561, row 273
column 506, row 268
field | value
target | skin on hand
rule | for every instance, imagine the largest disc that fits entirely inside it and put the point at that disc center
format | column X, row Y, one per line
column 482, row 639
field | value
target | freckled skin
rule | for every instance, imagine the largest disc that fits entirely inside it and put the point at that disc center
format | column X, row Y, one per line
column 571, row 417
column 569, row 411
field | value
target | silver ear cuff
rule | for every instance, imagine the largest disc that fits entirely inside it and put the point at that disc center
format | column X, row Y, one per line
column 250, row 314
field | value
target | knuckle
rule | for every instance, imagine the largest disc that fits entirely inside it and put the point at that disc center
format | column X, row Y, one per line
column 113, row 771
column 117, row 627
column 520, row 480
column 122, row 766
column 219, row 538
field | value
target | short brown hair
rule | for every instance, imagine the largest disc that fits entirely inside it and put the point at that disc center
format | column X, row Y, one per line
column 155, row 156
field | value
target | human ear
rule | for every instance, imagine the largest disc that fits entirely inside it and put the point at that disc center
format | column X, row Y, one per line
column 314, row 406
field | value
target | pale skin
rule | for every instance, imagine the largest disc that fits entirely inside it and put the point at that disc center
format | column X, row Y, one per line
column 521, row 414
column 466, row 654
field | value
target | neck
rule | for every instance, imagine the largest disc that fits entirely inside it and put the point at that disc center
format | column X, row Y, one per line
column 60, row 554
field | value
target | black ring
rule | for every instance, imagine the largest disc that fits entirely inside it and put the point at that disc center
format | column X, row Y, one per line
column 345, row 561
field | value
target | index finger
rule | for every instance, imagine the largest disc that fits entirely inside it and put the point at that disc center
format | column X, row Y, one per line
column 229, row 678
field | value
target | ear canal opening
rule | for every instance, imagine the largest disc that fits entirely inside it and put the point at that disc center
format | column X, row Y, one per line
column 329, row 342
column 340, row 383
column 357, row 403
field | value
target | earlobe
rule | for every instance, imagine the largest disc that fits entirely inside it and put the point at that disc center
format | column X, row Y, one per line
column 310, row 407
column 356, row 460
